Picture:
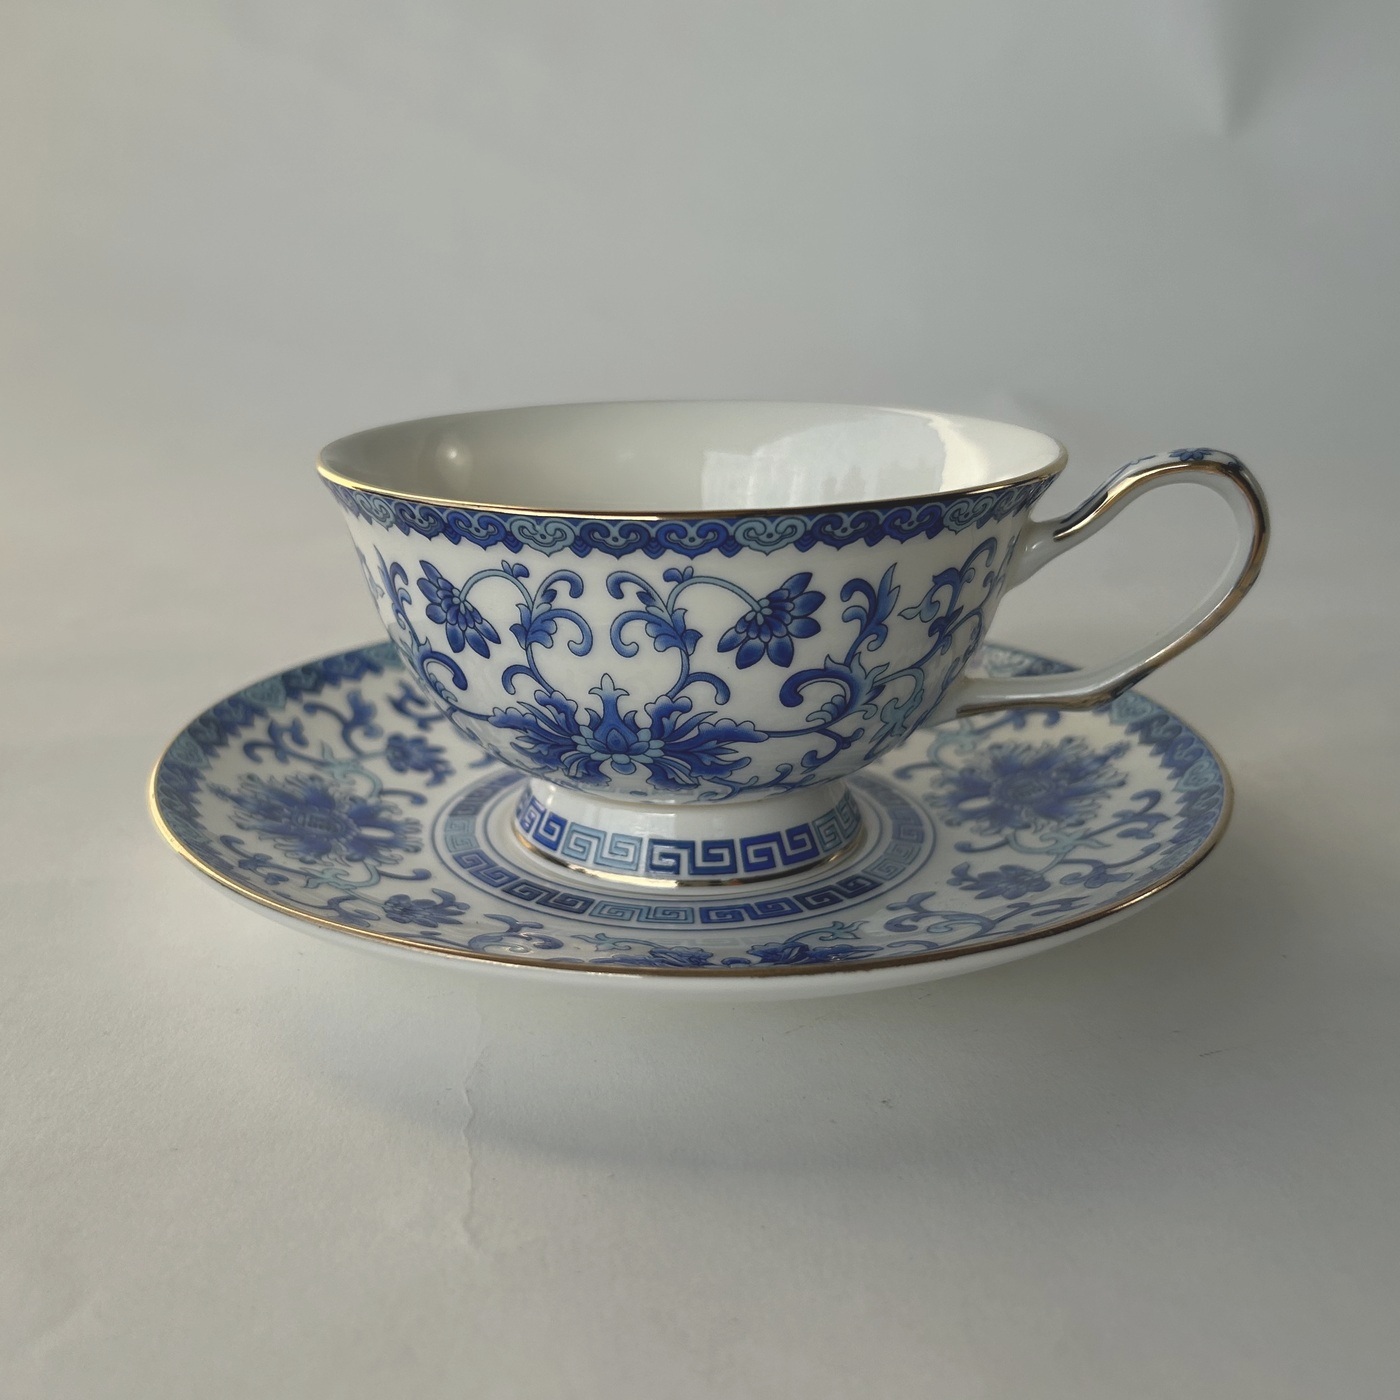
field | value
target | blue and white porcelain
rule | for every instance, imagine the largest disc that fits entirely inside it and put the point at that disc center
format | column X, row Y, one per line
column 693, row 626
column 338, row 797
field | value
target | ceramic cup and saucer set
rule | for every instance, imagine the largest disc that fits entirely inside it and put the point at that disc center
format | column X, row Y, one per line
column 697, row 698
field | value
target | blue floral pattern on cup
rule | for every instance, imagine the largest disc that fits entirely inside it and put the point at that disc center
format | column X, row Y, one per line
column 675, row 748
column 769, row 626
column 462, row 624
column 844, row 680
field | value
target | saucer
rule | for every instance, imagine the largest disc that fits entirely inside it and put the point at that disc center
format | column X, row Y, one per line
column 334, row 796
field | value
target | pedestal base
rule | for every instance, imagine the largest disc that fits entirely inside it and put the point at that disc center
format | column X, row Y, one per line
column 716, row 843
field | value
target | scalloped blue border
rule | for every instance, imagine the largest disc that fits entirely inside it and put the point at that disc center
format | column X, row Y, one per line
column 727, row 535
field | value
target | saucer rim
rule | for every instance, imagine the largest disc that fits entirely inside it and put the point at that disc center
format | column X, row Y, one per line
column 712, row 974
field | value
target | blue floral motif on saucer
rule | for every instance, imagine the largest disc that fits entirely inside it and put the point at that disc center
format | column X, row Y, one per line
column 336, row 794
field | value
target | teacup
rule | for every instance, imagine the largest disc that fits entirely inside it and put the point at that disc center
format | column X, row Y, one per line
column 689, row 623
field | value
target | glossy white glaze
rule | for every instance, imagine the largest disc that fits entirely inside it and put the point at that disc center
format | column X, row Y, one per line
column 778, row 594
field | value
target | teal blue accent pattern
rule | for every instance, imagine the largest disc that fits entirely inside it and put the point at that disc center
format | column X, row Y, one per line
column 693, row 537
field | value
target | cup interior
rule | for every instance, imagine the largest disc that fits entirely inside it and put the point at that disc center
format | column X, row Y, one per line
column 686, row 457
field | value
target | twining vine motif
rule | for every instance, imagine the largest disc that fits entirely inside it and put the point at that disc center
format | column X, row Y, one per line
column 333, row 822
column 293, row 790
column 1038, row 800
column 693, row 537
column 1044, row 801
column 856, row 702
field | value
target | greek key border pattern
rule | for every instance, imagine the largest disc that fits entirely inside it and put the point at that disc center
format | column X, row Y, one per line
column 909, row 840
column 669, row 859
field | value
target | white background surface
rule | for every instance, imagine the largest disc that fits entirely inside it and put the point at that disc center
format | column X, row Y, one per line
column 235, row 1161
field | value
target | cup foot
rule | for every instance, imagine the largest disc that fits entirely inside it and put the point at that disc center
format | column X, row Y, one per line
column 718, row 843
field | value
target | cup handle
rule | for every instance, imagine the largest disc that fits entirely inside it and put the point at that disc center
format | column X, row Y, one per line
column 1043, row 540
